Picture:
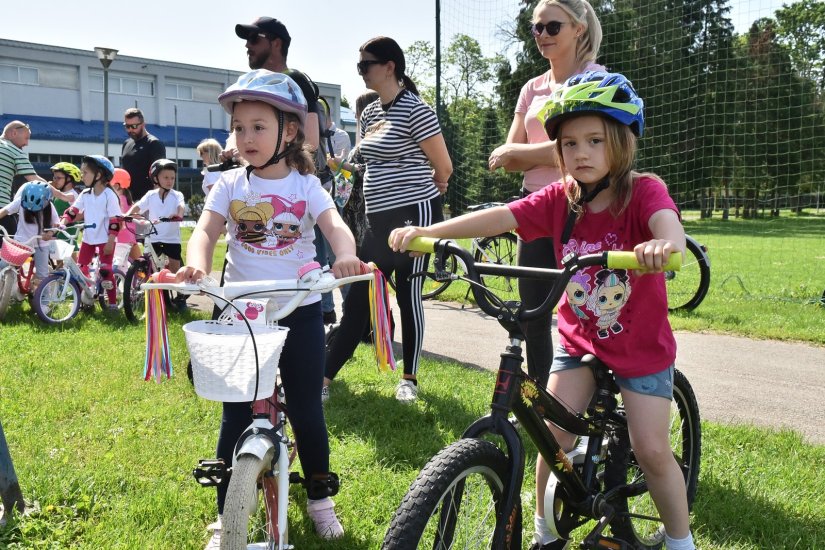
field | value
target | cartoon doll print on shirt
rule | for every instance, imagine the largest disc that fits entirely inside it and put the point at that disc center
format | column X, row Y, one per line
column 578, row 290
column 267, row 222
column 610, row 293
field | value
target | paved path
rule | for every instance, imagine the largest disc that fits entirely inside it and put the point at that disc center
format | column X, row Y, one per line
column 736, row 380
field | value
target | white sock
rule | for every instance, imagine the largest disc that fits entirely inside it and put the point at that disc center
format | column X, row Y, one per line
column 679, row 544
column 542, row 535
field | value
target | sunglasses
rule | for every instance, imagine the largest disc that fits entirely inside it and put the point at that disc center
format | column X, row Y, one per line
column 133, row 126
column 254, row 38
column 552, row 27
column 364, row 66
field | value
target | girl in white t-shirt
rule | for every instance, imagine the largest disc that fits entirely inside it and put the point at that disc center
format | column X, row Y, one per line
column 99, row 207
column 270, row 209
column 210, row 152
column 36, row 213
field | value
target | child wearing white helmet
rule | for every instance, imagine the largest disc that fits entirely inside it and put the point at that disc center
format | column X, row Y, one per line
column 270, row 209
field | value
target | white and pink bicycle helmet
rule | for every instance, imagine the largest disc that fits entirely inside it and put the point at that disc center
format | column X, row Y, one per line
column 277, row 89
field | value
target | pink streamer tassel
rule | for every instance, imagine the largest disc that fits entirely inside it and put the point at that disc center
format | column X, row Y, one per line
column 158, row 361
column 381, row 321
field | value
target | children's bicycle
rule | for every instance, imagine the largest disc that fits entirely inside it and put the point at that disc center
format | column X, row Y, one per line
column 15, row 278
column 235, row 359
column 141, row 270
column 469, row 494
column 59, row 297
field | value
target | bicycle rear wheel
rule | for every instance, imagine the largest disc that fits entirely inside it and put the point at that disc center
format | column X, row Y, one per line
column 453, row 502
column 8, row 280
column 103, row 295
column 134, row 301
column 500, row 250
column 52, row 304
column 634, row 506
column 251, row 510
column 687, row 287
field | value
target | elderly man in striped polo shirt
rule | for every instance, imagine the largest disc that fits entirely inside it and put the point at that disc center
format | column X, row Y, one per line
column 13, row 162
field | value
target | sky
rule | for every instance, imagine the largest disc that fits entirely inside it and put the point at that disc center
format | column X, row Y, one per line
column 326, row 34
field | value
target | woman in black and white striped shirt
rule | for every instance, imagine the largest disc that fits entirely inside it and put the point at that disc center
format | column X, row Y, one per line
column 407, row 168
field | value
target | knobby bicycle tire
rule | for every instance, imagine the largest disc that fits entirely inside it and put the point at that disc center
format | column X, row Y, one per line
column 8, row 280
column 50, row 305
column 134, row 301
column 453, row 503
column 501, row 250
column 687, row 287
column 622, row 468
column 103, row 296
column 251, row 508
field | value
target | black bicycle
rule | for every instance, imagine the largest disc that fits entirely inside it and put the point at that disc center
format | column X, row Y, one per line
column 468, row 495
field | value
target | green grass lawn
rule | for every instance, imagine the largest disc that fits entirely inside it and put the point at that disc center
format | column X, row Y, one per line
column 107, row 457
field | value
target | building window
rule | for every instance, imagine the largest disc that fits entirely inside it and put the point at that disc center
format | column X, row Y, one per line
column 179, row 91
column 122, row 85
column 19, row 75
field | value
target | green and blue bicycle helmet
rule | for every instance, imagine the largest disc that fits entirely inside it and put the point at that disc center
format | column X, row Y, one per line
column 594, row 92
column 35, row 196
column 101, row 162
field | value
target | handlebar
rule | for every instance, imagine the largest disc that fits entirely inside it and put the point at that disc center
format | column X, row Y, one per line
column 572, row 263
column 311, row 279
column 222, row 167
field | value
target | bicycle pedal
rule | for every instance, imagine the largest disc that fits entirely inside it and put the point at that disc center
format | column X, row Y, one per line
column 295, row 477
column 211, row 472
column 610, row 543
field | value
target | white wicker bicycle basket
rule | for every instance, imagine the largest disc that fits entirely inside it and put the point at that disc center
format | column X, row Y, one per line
column 223, row 359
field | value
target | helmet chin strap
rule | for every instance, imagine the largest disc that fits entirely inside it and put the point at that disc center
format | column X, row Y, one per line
column 571, row 217
column 277, row 156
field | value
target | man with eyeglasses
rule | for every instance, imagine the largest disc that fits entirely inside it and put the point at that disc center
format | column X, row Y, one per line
column 139, row 151
column 14, row 162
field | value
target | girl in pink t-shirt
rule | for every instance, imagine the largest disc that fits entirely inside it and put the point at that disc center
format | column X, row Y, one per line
column 619, row 316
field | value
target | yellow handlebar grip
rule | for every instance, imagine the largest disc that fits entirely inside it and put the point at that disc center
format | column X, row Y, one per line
column 422, row 244
column 627, row 260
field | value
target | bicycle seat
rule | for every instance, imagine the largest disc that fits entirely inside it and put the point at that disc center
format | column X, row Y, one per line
column 601, row 372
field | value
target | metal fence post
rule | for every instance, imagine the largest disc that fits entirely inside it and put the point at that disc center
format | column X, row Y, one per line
column 10, row 492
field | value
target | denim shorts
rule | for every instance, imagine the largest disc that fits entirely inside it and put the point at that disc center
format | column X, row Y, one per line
column 659, row 384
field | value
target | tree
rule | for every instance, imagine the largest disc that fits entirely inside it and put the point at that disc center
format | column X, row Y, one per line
column 801, row 28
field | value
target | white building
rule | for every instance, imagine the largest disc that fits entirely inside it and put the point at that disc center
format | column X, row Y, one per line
column 58, row 92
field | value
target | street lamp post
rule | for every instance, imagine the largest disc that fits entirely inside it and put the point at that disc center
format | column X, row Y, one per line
column 106, row 56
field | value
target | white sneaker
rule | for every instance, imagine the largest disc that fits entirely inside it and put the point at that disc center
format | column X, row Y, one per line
column 407, row 391
column 324, row 394
column 215, row 540
column 322, row 514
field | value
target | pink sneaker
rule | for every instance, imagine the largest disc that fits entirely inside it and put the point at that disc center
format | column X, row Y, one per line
column 323, row 516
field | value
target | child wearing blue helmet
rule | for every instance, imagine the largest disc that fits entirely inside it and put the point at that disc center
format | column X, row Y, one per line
column 98, row 206
column 619, row 316
column 270, row 209
column 33, row 204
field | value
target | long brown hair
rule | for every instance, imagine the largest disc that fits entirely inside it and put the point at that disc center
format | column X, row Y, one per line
column 621, row 145
column 297, row 154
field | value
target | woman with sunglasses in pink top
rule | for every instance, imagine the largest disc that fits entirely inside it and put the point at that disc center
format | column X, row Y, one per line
column 568, row 35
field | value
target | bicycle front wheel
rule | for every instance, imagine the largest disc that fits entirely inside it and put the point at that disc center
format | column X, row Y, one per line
column 500, row 250
column 8, row 280
column 134, row 301
column 687, row 287
column 635, row 518
column 453, row 503
column 53, row 303
column 251, row 509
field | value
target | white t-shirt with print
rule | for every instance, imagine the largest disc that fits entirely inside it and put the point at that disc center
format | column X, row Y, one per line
column 153, row 207
column 97, row 209
column 270, row 224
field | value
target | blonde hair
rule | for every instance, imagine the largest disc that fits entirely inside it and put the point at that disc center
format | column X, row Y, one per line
column 582, row 13
column 620, row 144
column 212, row 148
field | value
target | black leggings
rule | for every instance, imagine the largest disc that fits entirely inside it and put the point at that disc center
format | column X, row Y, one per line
column 538, row 333
column 301, row 369
column 407, row 293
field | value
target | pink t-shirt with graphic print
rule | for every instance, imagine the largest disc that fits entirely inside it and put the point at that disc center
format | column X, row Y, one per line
column 534, row 94
column 617, row 315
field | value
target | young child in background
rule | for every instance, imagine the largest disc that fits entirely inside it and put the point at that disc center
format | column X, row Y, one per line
column 270, row 208
column 65, row 183
column 210, row 153
column 164, row 202
column 121, row 183
column 36, row 212
column 595, row 119
column 98, row 206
